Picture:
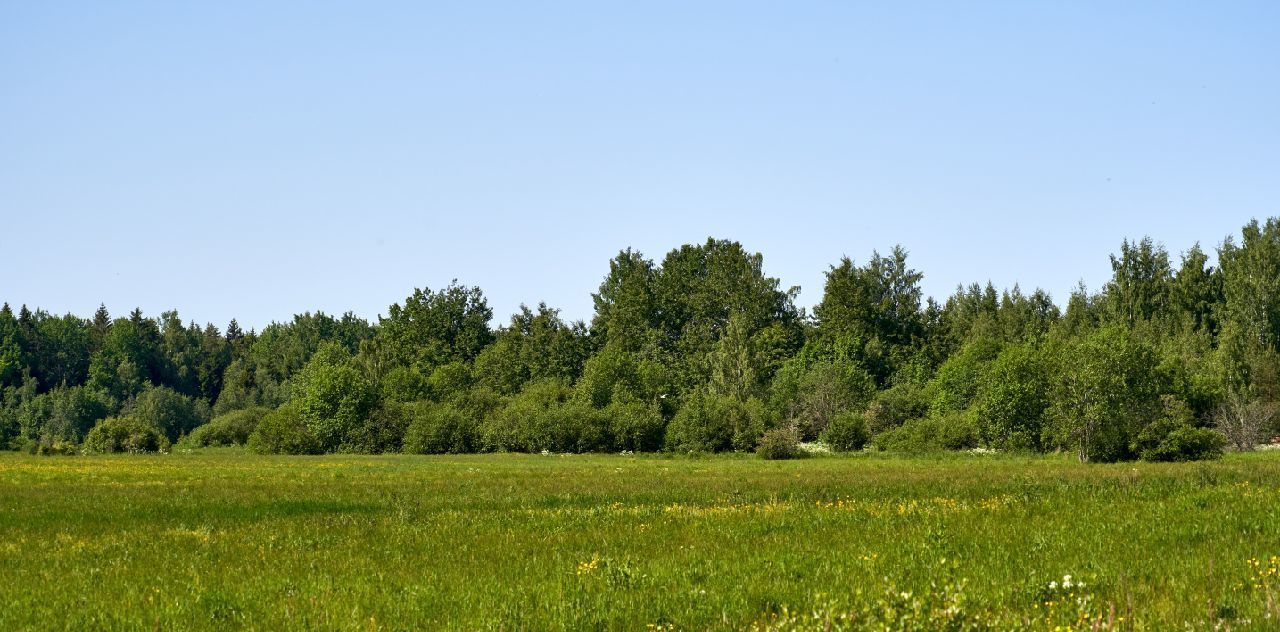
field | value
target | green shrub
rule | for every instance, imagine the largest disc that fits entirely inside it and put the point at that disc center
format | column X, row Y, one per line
column 1011, row 400
column 811, row 393
column 613, row 375
column 1153, row 434
column 711, row 423
column 499, row 366
column 125, row 434
column 46, row 447
column 748, row 420
column 171, row 412
column 440, row 429
column 635, row 426
column 382, row 431
column 232, row 428
column 477, row 403
column 608, row 372
column 1187, row 444
column 894, row 406
column 574, row 427
column 955, row 431
column 959, row 378
column 9, row 436
column 1172, row 437
column 1105, row 390
column 404, row 384
column 779, row 443
column 542, row 418
column 847, row 432
column 448, row 381
column 515, row 425
column 698, row 427
column 282, row 431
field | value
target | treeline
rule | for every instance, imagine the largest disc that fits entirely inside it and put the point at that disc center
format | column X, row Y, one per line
column 699, row 352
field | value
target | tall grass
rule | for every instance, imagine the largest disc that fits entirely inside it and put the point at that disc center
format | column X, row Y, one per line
column 222, row 538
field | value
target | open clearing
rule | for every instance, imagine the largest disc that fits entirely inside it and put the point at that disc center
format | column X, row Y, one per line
column 225, row 539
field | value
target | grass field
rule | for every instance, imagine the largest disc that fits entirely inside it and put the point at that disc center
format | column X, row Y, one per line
column 228, row 539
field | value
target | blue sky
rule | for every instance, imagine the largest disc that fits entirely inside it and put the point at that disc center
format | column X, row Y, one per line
column 257, row 159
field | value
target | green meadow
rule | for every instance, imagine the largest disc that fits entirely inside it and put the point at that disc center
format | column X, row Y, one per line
column 226, row 539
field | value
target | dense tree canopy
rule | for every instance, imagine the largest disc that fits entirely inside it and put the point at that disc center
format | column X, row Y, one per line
column 701, row 350
column 878, row 307
column 435, row 328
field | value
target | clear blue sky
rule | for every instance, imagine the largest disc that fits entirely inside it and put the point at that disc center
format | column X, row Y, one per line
column 257, row 159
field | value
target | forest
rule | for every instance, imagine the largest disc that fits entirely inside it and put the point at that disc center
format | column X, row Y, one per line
column 698, row 352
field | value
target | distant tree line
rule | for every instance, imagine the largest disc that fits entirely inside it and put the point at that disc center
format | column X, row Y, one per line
column 698, row 352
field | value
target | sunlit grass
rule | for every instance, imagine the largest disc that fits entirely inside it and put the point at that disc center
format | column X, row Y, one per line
column 225, row 539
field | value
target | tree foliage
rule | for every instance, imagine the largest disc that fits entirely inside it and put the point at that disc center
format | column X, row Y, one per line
column 333, row 398
column 878, row 305
column 435, row 328
column 700, row 350
column 1107, row 389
